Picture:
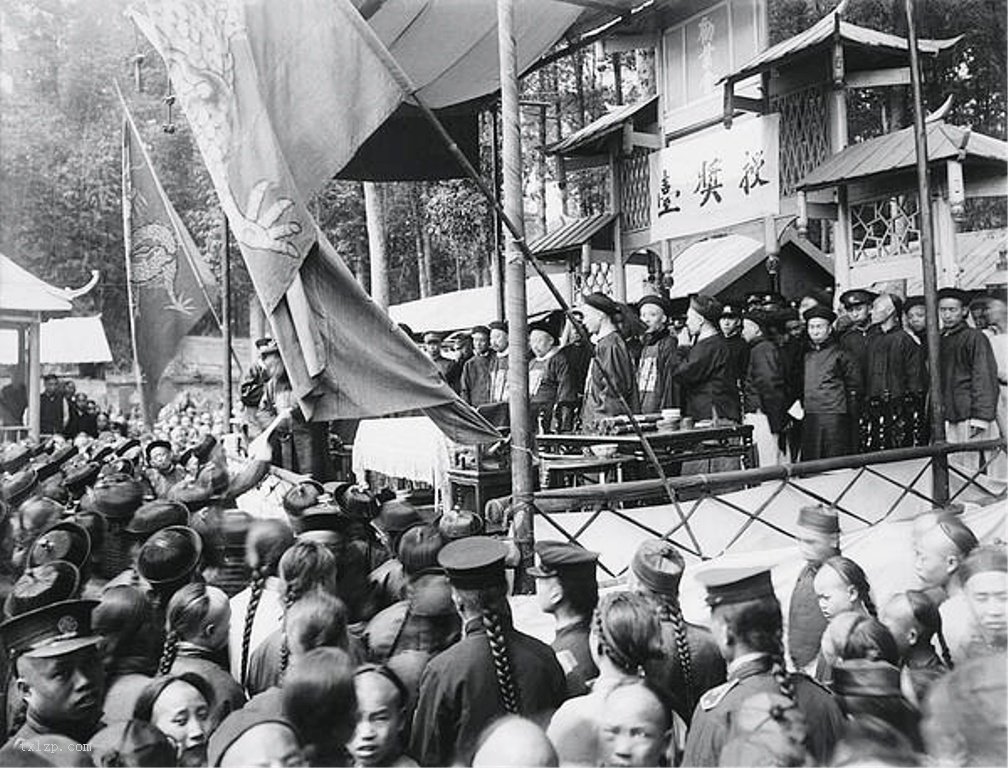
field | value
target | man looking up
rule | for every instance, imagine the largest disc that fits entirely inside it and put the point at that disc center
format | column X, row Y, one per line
column 566, row 587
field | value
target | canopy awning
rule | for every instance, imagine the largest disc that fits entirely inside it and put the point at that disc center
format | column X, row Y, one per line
column 63, row 340
column 591, row 139
column 473, row 306
column 712, row 265
column 23, row 293
column 596, row 229
column 897, row 152
column 864, row 48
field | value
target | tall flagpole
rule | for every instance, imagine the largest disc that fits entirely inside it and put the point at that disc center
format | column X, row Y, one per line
column 226, row 319
column 127, row 214
column 939, row 464
column 514, row 294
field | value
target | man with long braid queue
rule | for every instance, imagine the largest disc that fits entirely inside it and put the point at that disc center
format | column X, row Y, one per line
column 746, row 623
column 494, row 670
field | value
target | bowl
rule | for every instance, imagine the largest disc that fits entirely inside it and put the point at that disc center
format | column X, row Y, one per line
column 605, row 450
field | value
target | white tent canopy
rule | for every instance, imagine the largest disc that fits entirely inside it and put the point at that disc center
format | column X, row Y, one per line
column 63, row 340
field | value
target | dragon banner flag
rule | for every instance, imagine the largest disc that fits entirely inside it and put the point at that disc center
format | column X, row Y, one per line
column 248, row 72
column 170, row 285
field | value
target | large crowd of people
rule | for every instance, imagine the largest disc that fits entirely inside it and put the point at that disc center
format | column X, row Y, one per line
column 814, row 382
column 148, row 621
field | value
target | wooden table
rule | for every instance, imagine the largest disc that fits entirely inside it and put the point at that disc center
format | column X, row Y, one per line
column 568, row 471
column 672, row 447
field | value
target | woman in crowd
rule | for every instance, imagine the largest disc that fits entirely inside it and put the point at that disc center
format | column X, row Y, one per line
column 180, row 707
column 625, row 636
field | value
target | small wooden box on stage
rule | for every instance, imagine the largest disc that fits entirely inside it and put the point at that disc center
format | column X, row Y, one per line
column 474, row 477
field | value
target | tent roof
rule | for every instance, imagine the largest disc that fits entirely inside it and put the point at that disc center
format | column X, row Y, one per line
column 22, row 292
column 712, row 265
column 572, row 235
column 865, row 48
column 473, row 306
column 589, row 140
column 897, row 151
column 63, row 340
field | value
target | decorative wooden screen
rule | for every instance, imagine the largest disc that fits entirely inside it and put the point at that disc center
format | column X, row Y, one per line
column 804, row 134
column 635, row 183
column 887, row 228
column 599, row 278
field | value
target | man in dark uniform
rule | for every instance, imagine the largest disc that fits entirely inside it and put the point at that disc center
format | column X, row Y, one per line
column 894, row 377
column 566, row 587
column 602, row 394
column 746, row 623
column 854, row 341
column 477, row 369
column 818, row 540
column 432, row 346
column 59, row 675
column 658, row 358
column 738, row 350
column 494, row 670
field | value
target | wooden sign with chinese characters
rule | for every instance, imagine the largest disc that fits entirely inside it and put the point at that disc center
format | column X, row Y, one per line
column 717, row 178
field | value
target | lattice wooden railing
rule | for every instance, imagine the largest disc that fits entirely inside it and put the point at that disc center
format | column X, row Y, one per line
column 887, row 228
column 804, row 134
column 635, row 184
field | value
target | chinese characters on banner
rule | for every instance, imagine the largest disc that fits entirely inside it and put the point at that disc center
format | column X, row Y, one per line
column 715, row 179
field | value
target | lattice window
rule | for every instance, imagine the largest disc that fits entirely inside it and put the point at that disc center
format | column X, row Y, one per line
column 804, row 134
column 885, row 229
column 598, row 278
column 635, row 183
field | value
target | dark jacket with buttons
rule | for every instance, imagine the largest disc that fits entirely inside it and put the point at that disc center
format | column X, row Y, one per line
column 832, row 379
column 968, row 374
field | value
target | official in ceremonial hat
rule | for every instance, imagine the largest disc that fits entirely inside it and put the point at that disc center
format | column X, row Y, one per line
column 494, row 670
column 15, row 456
column 691, row 662
column 300, row 498
column 871, row 689
column 656, row 300
column 746, row 623
column 79, row 478
column 708, row 307
column 819, row 312
column 169, row 559
column 66, row 541
column 567, row 588
column 459, row 523
column 16, row 488
column 39, row 586
column 603, row 304
column 156, row 515
column 58, row 671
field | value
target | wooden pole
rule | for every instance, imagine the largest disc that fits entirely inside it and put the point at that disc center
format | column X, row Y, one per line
column 517, row 311
column 375, row 217
column 34, row 377
column 496, row 273
column 226, row 320
column 939, row 477
column 541, row 166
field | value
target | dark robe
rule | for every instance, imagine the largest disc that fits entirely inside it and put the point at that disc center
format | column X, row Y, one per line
column 475, row 388
column 707, row 382
column 806, row 622
column 707, row 667
column 53, row 414
column 459, row 693
column 549, row 385
column 765, row 389
column 968, row 375
column 601, row 399
column 655, row 384
column 573, row 651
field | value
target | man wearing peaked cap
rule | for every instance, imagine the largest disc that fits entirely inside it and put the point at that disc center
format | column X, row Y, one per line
column 566, row 587
column 432, row 346
column 57, row 671
column 856, row 338
column 730, row 324
column 818, row 533
column 475, row 381
column 494, row 670
column 746, row 623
